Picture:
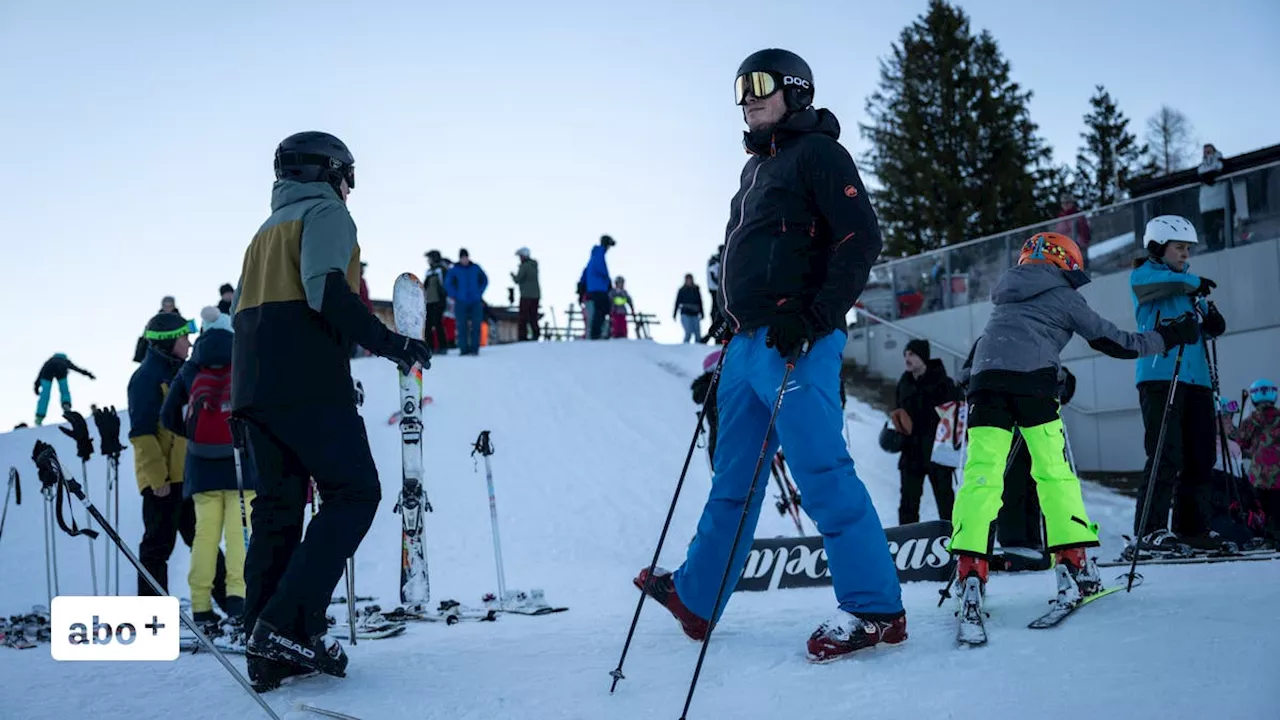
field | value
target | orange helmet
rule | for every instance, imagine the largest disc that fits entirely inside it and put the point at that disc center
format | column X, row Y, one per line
column 1051, row 248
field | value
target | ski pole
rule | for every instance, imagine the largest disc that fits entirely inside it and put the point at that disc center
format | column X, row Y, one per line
column 12, row 487
column 742, row 523
column 351, row 597
column 50, row 544
column 485, row 448
column 50, row 467
column 1155, row 468
column 106, row 549
column 616, row 674
column 88, row 523
column 115, row 509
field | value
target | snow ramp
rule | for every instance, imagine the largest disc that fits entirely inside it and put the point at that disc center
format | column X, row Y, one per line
column 589, row 440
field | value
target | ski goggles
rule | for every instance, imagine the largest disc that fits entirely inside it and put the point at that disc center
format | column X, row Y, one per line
column 1228, row 407
column 188, row 329
column 762, row 84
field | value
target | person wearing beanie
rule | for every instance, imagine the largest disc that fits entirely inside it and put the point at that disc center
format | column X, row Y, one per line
column 596, row 282
column 297, row 315
column 466, row 283
column 55, row 368
column 922, row 388
column 196, row 409
column 526, row 278
column 437, row 301
column 159, row 455
column 228, row 294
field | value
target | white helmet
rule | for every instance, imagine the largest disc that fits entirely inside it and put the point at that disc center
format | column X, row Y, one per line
column 523, row 252
column 1165, row 229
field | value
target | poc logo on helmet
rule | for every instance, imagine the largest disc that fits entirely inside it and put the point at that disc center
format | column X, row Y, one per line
column 792, row 80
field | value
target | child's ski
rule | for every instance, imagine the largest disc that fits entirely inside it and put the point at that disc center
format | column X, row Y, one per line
column 1060, row 611
column 409, row 306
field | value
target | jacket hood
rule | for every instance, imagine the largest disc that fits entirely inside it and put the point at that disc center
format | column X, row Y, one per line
column 1023, row 282
column 213, row 348
column 288, row 192
column 820, row 121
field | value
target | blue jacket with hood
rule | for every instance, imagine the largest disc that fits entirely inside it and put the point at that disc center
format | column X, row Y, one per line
column 1162, row 293
column 595, row 276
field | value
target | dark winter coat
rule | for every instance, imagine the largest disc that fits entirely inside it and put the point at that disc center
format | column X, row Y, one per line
column 56, row 367
column 919, row 396
column 1037, row 309
column 297, row 310
column 466, row 283
column 801, row 226
column 526, row 278
column 688, row 301
column 158, row 454
column 202, row 473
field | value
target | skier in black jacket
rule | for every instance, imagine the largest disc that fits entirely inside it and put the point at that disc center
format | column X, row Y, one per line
column 798, row 249
column 55, row 368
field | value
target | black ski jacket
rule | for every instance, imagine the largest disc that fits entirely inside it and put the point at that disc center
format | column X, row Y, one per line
column 801, row 226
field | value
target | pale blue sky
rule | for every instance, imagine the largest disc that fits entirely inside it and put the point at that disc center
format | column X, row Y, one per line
column 139, row 134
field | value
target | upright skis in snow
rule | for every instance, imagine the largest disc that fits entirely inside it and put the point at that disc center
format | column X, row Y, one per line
column 409, row 306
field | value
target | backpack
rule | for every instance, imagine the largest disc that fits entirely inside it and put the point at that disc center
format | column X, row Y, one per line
column 209, row 407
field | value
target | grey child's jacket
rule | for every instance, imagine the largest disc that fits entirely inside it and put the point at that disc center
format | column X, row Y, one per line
column 1037, row 310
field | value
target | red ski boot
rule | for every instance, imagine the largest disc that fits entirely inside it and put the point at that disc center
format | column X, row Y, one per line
column 662, row 587
column 847, row 633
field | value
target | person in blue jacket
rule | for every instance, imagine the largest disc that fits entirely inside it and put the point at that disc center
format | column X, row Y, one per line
column 466, row 283
column 597, row 283
column 1163, row 289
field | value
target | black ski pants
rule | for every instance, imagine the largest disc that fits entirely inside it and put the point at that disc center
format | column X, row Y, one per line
column 1018, row 524
column 599, row 313
column 1184, row 478
column 436, row 338
column 163, row 520
column 913, row 489
column 289, row 580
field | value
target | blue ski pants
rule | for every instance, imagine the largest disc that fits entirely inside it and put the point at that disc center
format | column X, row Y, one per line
column 46, row 389
column 809, row 425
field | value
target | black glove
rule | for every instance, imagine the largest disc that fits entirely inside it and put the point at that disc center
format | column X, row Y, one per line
column 721, row 331
column 1206, row 287
column 1214, row 324
column 1183, row 331
column 793, row 329
column 37, row 388
column 90, row 375
column 108, row 422
column 47, row 466
column 406, row 352
column 80, row 433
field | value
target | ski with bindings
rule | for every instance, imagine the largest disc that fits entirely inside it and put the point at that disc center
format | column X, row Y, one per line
column 409, row 307
column 1061, row 611
column 972, row 628
column 1244, row 556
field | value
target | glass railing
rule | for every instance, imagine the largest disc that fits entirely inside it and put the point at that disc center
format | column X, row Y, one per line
column 1238, row 209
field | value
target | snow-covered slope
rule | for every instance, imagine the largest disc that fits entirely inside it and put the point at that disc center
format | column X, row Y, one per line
column 589, row 441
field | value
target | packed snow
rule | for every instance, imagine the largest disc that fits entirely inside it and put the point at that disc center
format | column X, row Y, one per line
column 589, row 440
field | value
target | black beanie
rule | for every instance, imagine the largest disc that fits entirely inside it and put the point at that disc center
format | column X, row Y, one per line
column 920, row 347
column 166, row 323
column 226, row 288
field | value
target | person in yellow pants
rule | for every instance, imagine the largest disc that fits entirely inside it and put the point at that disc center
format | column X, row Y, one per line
column 198, row 408
column 1012, row 381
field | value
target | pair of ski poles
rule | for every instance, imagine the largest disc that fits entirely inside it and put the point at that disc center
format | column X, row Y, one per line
column 616, row 674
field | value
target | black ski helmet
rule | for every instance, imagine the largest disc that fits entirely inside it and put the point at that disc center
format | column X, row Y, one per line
column 790, row 73
column 314, row 156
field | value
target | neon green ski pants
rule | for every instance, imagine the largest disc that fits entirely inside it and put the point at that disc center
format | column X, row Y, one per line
column 979, row 499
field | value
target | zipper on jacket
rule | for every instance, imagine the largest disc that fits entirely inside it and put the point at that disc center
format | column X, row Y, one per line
column 724, row 257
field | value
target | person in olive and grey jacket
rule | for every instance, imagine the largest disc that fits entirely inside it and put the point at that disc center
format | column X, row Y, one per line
column 433, row 289
column 526, row 278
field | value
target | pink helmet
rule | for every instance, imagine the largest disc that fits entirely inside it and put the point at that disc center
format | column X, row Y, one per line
column 710, row 361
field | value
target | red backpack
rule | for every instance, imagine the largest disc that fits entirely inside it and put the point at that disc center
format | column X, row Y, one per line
column 209, row 408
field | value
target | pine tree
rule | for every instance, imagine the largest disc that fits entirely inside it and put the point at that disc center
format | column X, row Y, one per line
column 953, row 147
column 1110, row 156
column 1169, row 140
